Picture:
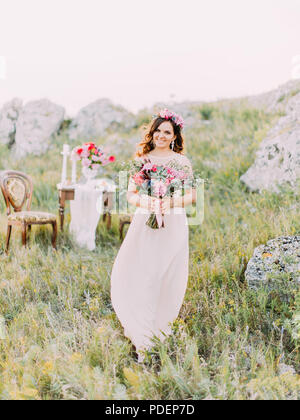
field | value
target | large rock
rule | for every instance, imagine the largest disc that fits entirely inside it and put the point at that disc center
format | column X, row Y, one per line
column 272, row 101
column 278, row 158
column 37, row 123
column 276, row 99
column 8, row 119
column 275, row 265
column 97, row 118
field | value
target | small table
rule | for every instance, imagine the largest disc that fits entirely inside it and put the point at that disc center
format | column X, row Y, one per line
column 67, row 193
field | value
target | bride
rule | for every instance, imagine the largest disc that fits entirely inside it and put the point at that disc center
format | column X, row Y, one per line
column 150, row 273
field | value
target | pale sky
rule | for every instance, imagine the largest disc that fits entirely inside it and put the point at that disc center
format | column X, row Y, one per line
column 137, row 52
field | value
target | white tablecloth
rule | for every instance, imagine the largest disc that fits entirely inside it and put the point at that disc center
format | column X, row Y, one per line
column 86, row 210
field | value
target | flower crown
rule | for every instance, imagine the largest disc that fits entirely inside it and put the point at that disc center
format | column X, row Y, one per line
column 170, row 115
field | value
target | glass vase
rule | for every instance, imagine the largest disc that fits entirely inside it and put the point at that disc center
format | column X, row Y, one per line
column 89, row 173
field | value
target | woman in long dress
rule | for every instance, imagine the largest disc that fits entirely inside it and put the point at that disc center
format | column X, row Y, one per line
column 150, row 273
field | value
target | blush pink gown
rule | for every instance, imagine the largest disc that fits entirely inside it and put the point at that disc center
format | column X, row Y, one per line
column 150, row 273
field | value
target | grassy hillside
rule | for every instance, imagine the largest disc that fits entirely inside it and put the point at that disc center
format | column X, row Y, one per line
column 63, row 339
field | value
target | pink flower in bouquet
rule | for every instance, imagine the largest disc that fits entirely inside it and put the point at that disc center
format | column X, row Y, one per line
column 147, row 167
column 159, row 188
column 95, row 166
column 169, row 180
column 182, row 174
column 138, row 178
column 172, row 171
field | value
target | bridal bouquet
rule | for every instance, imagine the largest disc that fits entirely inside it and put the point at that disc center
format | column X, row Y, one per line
column 91, row 156
column 159, row 181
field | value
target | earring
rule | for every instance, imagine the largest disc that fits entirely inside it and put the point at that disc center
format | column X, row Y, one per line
column 172, row 145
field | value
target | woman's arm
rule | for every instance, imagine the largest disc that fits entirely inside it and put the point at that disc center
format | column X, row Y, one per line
column 132, row 194
column 190, row 196
column 139, row 200
column 184, row 200
column 144, row 201
column 133, row 198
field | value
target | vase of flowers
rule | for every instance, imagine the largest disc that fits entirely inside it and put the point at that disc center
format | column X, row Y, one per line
column 92, row 158
column 89, row 173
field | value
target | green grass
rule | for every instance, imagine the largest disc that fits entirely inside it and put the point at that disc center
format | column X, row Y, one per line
column 63, row 339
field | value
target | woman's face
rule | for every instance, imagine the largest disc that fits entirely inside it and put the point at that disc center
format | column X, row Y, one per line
column 163, row 135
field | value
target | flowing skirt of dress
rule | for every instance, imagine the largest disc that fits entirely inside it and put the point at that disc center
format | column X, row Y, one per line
column 149, row 277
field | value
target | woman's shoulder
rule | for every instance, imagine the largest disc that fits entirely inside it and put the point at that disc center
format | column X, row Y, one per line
column 186, row 163
column 183, row 158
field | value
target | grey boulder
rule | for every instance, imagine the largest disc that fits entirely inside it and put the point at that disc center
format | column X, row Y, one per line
column 8, row 118
column 97, row 118
column 277, row 161
column 37, row 123
column 275, row 265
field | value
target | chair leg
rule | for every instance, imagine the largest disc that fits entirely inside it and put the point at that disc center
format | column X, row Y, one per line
column 108, row 223
column 54, row 235
column 24, row 235
column 9, row 227
column 121, row 230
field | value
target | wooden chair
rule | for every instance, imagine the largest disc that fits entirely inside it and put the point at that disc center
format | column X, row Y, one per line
column 17, row 189
column 108, row 198
column 126, row 219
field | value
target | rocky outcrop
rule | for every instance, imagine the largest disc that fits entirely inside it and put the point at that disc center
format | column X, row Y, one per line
column 275, row 265
column 277, row 161
column 8, row 118
column 276, row 99
column 97, row 118
column 37, row 123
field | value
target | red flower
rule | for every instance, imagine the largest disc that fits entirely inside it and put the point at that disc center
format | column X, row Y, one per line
column 154, row 169
column 138, row 179
column 111, row 158
column 79, row 151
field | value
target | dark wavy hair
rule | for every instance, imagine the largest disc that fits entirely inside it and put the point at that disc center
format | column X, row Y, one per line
column 147, row 144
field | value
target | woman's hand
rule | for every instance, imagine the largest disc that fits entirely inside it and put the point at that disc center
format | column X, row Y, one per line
column 166, row 204
column 150, row 203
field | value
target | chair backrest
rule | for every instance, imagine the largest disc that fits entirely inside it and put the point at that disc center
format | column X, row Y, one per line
column 17, row 190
